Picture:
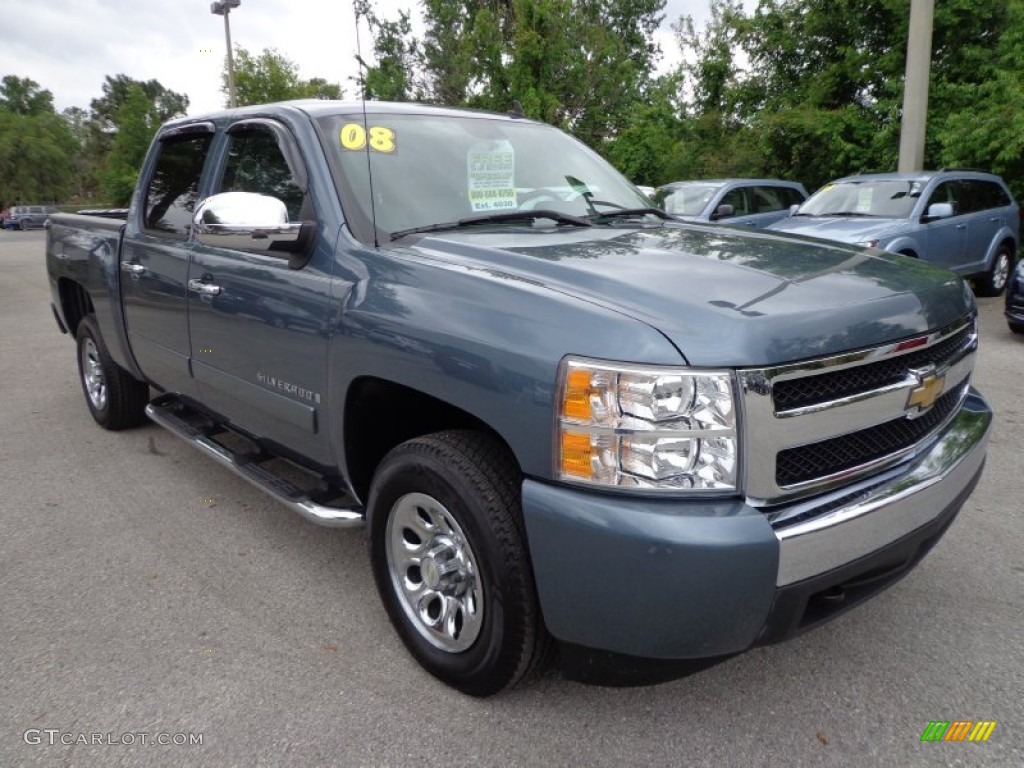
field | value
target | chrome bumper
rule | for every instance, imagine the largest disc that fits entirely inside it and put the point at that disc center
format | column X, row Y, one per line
column 864, row 519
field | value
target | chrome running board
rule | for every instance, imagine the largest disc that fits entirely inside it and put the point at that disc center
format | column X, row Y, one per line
column 327, row 506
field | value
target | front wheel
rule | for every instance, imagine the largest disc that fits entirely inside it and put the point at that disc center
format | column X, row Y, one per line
column 1016, row 327
column 993, row 282
column 449, row 557
column 115, row 398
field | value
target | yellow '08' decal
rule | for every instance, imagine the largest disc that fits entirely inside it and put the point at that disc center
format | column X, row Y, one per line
column 353, row 137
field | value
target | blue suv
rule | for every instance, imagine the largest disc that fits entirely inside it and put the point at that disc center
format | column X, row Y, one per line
column 740, row 202
column 966, row 221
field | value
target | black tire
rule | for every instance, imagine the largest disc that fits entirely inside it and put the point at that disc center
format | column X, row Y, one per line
column 116, row 399
column 993, row 282
column 1016, row 327
column 475, row 482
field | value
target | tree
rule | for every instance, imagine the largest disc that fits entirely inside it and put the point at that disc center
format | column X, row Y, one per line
column 270, row 77
column 116, row 91
column 35, row 158
column 138, row 120
column 23, row 96
column 36, row 145
column 583, row 65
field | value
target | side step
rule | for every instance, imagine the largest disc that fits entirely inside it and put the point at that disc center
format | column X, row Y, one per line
column 322, row 504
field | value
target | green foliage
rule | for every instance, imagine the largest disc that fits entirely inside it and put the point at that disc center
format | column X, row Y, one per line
column 583, row 65
column 271, row 77
column 116, row 91
column 36, row 145
column 23, row 96
column 138, row 119
column 35, row 158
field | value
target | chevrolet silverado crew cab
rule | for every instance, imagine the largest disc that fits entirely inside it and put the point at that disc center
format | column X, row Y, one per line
column 567, row 421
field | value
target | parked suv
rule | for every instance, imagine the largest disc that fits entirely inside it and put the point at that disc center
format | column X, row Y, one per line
column 966, row 221
column 25, row 216
column 743, row 202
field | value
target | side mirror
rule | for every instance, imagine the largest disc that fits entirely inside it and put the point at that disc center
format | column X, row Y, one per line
column 246, row 221
column 723, row 211
column 793, row 209
column 939, row 211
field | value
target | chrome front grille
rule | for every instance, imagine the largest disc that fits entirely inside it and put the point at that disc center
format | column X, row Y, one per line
column 823, row 387
column 816, row 425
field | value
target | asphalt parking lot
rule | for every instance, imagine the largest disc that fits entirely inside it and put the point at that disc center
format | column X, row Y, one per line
column 146, row 590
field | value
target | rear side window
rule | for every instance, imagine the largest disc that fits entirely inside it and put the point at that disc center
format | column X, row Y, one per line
column 770, row 199
column 171, row 195
column 983, row 195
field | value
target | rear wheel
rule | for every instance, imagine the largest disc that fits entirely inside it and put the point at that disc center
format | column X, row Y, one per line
column 116, row 399
column 450, row 561
column 1016, row 327
column 993, row 282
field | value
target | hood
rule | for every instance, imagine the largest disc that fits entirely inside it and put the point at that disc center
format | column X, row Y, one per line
column 845, row 230
column 725, row 297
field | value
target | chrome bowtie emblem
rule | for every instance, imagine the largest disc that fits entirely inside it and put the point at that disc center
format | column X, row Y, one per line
column 923, row 396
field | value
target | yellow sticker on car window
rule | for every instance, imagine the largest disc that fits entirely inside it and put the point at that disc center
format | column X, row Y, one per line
column 355, row 137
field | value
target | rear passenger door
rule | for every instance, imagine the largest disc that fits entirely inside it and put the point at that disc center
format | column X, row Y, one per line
column 154, row 257
column 771, row 203
column 259, row 327
column 987, row 213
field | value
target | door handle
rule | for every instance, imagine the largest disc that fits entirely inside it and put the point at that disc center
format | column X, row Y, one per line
column 203, row 289
column 961, row 226
column 994, row 218
column 133, row 269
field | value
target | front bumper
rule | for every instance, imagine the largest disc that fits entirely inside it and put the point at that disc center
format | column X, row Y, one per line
column 660, row 579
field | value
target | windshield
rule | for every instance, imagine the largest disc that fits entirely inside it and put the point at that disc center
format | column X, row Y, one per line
column 687, row 200
column 433, row 169
column 885, row 199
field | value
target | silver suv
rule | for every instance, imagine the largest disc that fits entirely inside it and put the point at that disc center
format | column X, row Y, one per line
column 966, row 221
column 25, row 216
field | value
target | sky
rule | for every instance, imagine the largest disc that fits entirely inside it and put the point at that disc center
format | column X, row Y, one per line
column 69, row 46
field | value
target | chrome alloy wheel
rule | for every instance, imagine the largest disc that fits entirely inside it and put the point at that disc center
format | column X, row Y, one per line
column 92, row 375
column 1001, row 270
column 434, row 572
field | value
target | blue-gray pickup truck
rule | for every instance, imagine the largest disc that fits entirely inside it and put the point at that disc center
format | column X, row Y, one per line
column 568, row 422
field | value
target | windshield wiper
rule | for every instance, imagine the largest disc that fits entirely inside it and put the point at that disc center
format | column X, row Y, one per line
column 495, row 218
column 627, row 212
column 844, row 213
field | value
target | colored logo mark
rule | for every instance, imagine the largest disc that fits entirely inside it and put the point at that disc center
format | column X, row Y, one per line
column 958, row 730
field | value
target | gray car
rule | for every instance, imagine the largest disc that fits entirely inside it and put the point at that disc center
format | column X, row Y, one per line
column 741, row 202
column 966, row 221
column 26, row 216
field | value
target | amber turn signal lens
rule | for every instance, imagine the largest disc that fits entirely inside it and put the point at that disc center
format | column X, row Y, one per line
column 576, row 404
column 577, row 454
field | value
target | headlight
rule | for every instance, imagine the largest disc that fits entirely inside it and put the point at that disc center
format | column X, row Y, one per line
column 649, row 427
column 869, row 243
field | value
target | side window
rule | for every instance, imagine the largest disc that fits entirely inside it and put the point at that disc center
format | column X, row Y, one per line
column 990, row 195
column 946, row 192
column 769, row 199
column 171, row 194
column 256, row 164
column 738, row 199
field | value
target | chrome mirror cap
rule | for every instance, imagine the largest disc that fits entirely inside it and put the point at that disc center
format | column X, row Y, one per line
column 246, row 221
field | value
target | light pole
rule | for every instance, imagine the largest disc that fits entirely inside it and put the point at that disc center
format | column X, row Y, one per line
column 915, row 87
column 223, row 8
